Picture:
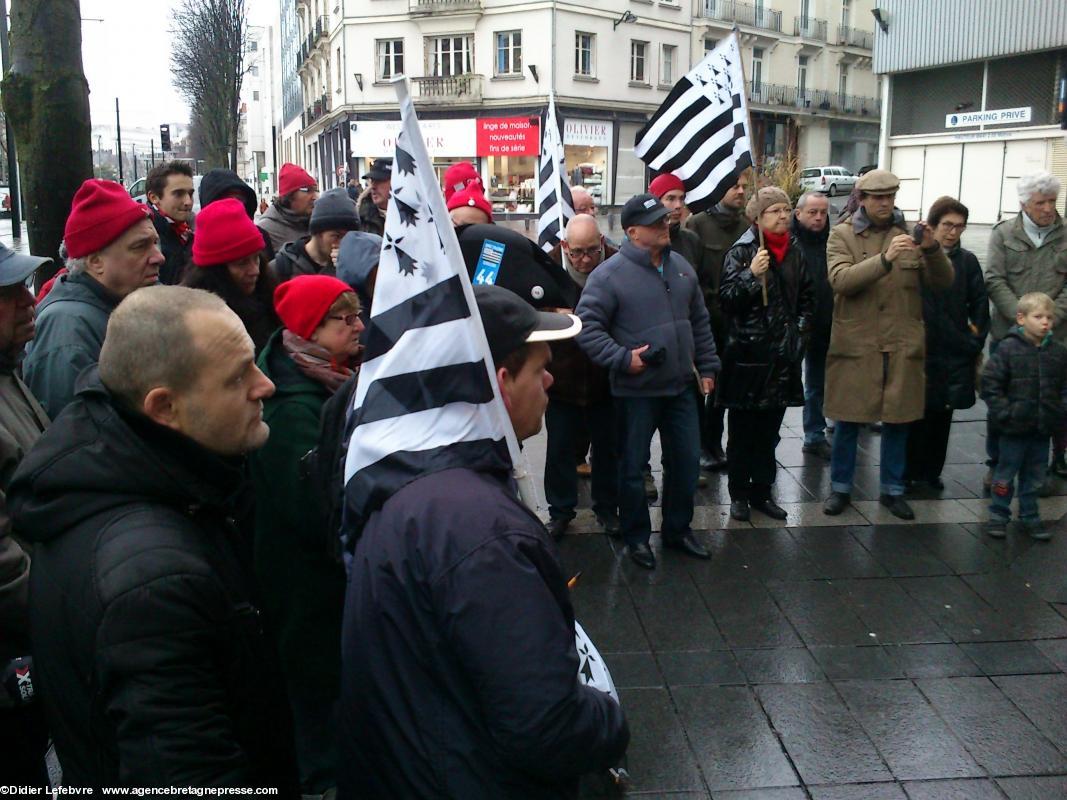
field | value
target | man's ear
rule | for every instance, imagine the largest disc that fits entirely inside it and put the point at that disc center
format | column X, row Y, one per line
column 153, row 198
column 159, row 406
column 503, row 381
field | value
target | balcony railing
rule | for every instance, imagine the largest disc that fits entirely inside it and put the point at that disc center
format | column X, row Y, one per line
column 437, row 6
column 459, row 88
column 755, row 16
column 322, row 27
column 315, row 111
column 773, row 94
column 854, row 37
column 810, row 28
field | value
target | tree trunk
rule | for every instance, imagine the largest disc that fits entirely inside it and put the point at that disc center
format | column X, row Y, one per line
column 46, row 97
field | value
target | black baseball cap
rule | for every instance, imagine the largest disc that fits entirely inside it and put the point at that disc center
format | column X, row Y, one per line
column 642, row 209
column 15, row 267
column 380, row 170
column 510, row 322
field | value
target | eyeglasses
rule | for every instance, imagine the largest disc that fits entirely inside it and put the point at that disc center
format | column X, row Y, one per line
column 308, row 190
column 580, row 252
column 348, row 319
column 948, row 226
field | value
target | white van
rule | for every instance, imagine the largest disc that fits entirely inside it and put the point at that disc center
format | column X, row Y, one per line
column 829, row 180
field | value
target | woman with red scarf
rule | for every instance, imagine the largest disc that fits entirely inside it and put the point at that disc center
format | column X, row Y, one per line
column 768, row 300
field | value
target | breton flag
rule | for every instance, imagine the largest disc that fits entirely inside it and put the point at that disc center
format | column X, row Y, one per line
column 701, row 133
column 427, row 397
column 554, row 205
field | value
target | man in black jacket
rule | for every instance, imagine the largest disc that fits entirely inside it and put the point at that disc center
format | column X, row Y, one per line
column 145, row 632
column 460, row 674
column 170, row 196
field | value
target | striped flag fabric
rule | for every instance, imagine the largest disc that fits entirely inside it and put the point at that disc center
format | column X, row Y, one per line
column 554, row 205
column 427, row 397
column 701, row 132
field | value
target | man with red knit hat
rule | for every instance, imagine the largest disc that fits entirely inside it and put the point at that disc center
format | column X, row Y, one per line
column 458, row 177
column 112, row 250
column 670, row 190
column 468, row 206
column 288, row 217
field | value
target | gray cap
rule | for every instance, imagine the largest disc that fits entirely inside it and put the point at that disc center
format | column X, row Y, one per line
column 334, row 211
column 16, row 267
column 878, row 181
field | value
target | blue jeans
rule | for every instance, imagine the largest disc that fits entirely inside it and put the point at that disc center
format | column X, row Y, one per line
column 814, row 382
column 566, row 423
column 1027, row 457
column 679, row 430
column 894, row 457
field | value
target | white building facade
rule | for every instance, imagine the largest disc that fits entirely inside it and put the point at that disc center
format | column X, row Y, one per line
column 256, row 150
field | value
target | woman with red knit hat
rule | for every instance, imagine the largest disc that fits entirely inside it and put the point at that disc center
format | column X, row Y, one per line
column 303, row 586
column 226, row 261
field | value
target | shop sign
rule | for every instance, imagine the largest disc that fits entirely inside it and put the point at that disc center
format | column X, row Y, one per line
column 509, row 136
column 1001, row 116
column 444, row 137
column 587, row 132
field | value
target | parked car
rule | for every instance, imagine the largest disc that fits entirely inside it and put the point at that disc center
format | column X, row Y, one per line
column 831, row 180
column 5, row 201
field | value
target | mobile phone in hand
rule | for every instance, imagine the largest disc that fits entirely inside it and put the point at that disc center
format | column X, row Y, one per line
column 917, row 233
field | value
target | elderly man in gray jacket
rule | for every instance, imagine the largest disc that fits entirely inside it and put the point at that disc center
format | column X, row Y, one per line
column 644, row 319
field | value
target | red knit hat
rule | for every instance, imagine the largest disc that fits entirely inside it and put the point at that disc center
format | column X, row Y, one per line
column 473, row 196
column 224, row 233
column 457, row 177
column 667, row 182
column 302, row 302
column 101, row 212
column 291, row 177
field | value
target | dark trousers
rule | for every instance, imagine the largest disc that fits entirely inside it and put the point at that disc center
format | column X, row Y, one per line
column 676, row 418
column 814, row 385
column 566, row 424
column 712, row 424
column 750, row 452
column 928, row 445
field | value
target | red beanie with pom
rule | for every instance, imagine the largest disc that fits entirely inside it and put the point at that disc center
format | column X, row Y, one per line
column 101, row 212
column 224, row 233
column 302, row 302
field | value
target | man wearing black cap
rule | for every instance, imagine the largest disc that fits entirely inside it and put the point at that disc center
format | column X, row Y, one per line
column 374, row 201
column 459, row 669
column 644, row 319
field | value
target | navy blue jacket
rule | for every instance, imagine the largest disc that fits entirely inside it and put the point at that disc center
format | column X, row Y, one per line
column 627, row 303
column 1025, row 386
column 459, row 670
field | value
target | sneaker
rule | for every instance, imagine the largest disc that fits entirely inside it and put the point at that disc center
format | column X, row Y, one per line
column 651, row 492
column 1036, row 531
column 997, row 528
column 821, row 449
column 585, row 470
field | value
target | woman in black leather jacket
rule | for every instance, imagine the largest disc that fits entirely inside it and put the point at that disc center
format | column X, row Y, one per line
column 764, row 353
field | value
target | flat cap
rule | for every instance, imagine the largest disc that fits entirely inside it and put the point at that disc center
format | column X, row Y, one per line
column 878, row 181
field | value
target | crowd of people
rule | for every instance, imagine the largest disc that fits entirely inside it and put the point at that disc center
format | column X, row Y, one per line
column 177, row 607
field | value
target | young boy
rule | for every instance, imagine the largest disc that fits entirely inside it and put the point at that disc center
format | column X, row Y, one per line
column 1025, row 387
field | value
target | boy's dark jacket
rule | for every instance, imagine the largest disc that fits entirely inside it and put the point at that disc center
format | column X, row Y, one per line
column 1025, row 386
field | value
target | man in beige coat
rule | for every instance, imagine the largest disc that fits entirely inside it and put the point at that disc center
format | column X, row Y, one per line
column 875, row 364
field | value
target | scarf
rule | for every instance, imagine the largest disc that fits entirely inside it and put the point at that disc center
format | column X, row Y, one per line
column 778, row 244
column 315, row 361
column 181, row 229
column 861, row 222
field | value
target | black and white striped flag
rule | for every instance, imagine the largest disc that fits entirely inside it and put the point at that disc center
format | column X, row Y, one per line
column 554, row 205
column 700, row 133
column 427, row 397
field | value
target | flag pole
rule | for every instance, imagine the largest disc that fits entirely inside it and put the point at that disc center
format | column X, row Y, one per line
column 559, row 175
column 748, row 122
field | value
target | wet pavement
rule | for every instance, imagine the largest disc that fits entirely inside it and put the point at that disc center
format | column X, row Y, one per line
column 850, row 658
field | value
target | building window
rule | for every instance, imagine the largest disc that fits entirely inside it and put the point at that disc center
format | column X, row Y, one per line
column 846, row 13
column 584, row 54
column 253, row 45
column 709, row 45
column 390, row 58
column 757, row 69
column 666, row 68
column 449, row 56
column 509, row 53
column 638, row 59
column 254, row 71
column 255, row 97
column 842, row 79
column 802, row 77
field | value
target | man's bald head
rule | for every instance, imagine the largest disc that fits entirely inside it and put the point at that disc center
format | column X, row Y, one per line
column 584, row 245
column 582, row 230
column 582, row 201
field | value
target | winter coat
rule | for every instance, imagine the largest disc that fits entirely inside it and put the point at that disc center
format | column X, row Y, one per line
column 147, row 641
column 764, row 353
column 1015, row 267
column 874, row 366
column 303, row 586
column 71, row 323
column 627, row 303
column 1025, row 386
column 370, row 218
column 293, row 260
column 460, row 671
column 814, row 246
column 176, row 254
column 687, row 244
column 218, row 183
column 357, row 259
column 951, row 346
column 717, row 229
column 281, row 226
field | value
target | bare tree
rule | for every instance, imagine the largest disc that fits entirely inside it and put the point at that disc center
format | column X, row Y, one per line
column 46, row 97
column 207, row 65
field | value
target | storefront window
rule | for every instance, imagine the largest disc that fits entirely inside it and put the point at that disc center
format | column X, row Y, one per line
column 511, row 183
column 586, row 153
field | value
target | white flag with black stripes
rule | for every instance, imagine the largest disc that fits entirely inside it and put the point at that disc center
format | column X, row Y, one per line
column 701, row 133
column 554, row 205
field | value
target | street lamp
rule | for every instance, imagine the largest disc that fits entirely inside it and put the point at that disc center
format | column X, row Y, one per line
column 627, row 16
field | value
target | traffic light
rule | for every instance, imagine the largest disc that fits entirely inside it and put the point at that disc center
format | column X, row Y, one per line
column 164, row 138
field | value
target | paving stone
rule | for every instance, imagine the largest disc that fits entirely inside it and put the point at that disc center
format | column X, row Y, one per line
column 961, row 549
column 972, row 789
column 774, row 554
column 993, row 730
column 743, row 754
column 1008, row 658
column 958, row 610
column 934, row 661
column 607, row 613
column 1056, row 650
column 1043, row 698
column 633, row 670
column 825, row 742
column 911, row 738
column 858, row 791
column 900, row 551
column 675, row 618
column 1031, row 617
column 1036, row 788
column 857, row 663
column 889, row 613
column 780, row 665
column 787, row 793
column 659, row 756
column 747, row 614
column 926, row 511
column 593, row 557
column 695, row 668
column 818, row 613
column 837, row 554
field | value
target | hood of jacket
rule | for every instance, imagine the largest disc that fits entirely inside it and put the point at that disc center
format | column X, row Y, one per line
column 95, row 457
column 83, row 289
column 357, row 257
column 219, row 183
column 293, row 260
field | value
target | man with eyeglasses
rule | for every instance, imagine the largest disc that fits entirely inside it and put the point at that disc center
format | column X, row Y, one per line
column 644, row 319
column 289, row 215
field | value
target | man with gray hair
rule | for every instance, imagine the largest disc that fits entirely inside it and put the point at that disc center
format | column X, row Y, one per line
column 112, row 250
column 147, row 643
column 582, row 201
column 1026, row 255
